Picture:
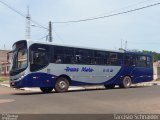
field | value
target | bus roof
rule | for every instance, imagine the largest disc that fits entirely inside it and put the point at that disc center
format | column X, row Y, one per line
column 74, row 46
column 90, row 48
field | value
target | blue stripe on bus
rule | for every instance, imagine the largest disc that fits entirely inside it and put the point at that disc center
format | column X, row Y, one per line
column 36, row 80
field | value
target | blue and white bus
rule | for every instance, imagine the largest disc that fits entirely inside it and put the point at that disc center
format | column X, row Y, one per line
column 52, row 66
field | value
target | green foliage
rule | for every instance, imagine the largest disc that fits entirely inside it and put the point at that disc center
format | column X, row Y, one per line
column 2, row 79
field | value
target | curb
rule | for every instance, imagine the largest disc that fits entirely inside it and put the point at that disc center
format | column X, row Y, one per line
column 148, row 84
column 5, row 85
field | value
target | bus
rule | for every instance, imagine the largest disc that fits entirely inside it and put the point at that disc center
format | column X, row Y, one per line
column 51, row 66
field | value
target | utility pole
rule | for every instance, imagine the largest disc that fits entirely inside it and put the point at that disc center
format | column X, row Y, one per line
column 50, row 31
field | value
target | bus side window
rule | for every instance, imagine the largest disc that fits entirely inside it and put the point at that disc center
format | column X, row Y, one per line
column 58, row 59
column 149, row 61
column 68, row 55
column 39, row 58
column 129, row 60
column 141, row 61
column 99, row 57
column 69, row 59
column 113, row 59
column 58, row 54
column 106, row 58
column 78, row 58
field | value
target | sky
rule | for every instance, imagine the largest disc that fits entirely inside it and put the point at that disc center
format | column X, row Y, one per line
column 141, row 29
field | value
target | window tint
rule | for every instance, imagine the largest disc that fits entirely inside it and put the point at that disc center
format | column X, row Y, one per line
column 82, row 56
column 39, row 56
column 137, row 60
column 58, row 54
column 106, row 58
column 113, row 59
column 99, row 57
column 63, row 55
column 129, row 60
column 58, row 50
column 149, row 62
column 141, row 61
column 69, row 55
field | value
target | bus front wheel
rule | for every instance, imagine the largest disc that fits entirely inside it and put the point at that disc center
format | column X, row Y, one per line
column 62, row 85
column 126, row 82
column 46, row 89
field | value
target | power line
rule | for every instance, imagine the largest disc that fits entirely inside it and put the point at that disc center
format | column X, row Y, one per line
column 58, row 36
column 107, row 16
column 133, row 42
column 21, row 14
column 125, row 7
column 43, row 37
column 83, row 20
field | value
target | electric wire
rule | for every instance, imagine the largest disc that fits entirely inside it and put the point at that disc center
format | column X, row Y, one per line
column 83, row 20
column 21, row 14
column 43, row 37
column 107, row 16
column 128, row 6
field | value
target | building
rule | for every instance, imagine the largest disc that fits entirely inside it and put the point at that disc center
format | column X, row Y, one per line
column 4, row 65
column 156, row 68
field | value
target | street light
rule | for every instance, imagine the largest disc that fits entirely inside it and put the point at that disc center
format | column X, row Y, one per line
column 48, row 29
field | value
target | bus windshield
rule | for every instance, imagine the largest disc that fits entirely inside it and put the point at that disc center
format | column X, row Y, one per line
column 19, row 59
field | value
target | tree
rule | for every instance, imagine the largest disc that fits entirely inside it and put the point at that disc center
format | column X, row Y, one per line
column 156, row 55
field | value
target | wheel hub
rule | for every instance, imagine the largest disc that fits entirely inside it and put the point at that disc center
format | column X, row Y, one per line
column 127, row 82
column 62, row 84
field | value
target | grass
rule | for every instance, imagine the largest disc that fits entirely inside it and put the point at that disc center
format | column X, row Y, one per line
column 2, row 79
column 158, row 79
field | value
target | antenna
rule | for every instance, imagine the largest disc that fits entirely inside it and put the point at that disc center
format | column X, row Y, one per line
column 126, row 44
column 4, row 47
column 28, row 24
column 121, row 44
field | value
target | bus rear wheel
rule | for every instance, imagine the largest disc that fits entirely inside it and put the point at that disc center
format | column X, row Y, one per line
column 126, row 82
column 46, row 89
column 62, row 85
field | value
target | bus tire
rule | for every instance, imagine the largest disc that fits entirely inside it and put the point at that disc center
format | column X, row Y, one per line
column 62, row 85
column 109, row 86
column 46, row 89
column 126, row 82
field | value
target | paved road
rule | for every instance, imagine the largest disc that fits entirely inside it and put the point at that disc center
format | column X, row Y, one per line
column 133, row 100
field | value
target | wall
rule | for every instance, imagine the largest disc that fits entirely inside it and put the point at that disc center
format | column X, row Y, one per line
column 4, row 65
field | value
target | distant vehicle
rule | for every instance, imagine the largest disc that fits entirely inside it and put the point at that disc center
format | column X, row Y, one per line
column 51, row 66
